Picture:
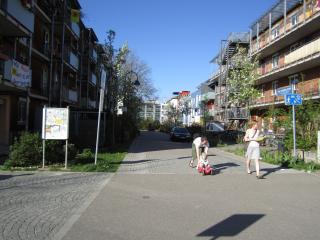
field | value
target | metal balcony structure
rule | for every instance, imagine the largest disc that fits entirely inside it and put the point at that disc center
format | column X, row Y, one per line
column 282, row 25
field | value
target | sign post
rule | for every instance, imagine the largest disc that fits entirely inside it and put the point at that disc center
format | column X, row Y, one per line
column 101, row 100
column 293, row 99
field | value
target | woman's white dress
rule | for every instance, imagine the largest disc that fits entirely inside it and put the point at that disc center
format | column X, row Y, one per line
column 253, row 150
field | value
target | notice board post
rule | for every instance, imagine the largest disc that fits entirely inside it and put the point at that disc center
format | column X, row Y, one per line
column 55, row 126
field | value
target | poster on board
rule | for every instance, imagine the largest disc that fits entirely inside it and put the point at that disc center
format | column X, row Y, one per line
column 55, row 123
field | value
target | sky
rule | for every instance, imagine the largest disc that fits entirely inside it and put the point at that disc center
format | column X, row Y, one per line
column 175, row 38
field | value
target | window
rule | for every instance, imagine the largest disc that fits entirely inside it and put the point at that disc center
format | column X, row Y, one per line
column 274, row 88
column 275, row 61
column 22, row 110
column 293, row 81
column 275, row 32
column 294, row 20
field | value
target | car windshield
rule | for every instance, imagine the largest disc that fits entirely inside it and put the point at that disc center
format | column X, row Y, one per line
column 181, row 130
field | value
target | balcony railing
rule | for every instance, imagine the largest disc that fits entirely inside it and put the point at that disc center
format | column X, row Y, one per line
column 73, row 95
column 208, row 96
column 93, row 79
column 94, row 55
column 291, row 58
column 303, row 52
column 71, row 58
column 15, row 72
column 23, row 14
column 75, row 28
column 271, row 100
column 237, row 113
column 280, row 29
column 70, row 95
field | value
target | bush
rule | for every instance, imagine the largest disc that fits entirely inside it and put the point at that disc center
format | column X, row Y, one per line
column 166, row 126
column 87, row 156
column 26, row 151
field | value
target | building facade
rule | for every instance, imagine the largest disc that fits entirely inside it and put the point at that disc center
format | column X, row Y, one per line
column 287, row 40
column 47, row 57
column 151, row 110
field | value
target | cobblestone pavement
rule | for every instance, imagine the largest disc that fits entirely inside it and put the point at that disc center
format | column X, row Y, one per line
column 36, row 205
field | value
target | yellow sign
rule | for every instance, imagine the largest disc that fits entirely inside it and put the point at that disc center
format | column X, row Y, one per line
column 75, row 15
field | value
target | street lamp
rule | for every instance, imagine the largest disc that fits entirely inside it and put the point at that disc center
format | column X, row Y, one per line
column 129, row 75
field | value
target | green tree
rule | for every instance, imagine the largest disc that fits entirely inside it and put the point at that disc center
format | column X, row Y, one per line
column 243, row 77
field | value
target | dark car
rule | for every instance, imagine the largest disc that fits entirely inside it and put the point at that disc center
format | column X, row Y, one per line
column 180, row 133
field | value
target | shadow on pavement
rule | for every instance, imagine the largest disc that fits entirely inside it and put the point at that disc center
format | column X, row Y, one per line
column 136, row 161
column 270, row 170
column 4, row 177
column 219, row 167
column 231, row 226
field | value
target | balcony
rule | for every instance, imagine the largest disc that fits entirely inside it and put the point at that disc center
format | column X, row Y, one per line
column 75, row 28
column 15, row 18
column 17, row 73
column 312, row 93
column 305, row 57
column 302, row 21
column 208, row 96
column 93, row 55
column 70, row 95
column 236, row 113
column 71, row 58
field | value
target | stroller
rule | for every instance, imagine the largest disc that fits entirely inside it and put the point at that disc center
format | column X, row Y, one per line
column 204, row 167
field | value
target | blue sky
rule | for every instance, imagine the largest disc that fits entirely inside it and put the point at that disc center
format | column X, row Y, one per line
column 176, row 38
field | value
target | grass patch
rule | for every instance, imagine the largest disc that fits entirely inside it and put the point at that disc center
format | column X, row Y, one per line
column 281, row 159
column 106, row 162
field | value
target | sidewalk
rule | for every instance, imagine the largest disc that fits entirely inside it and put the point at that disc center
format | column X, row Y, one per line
column 155, row 195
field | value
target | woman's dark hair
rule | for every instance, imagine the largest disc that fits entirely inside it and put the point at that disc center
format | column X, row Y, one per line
column 204, row 138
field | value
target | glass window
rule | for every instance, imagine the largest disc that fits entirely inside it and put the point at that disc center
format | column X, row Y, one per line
column 274, row 87
column 293, row 81
column 275, row 33
column 275, row 61
column 22, row 110
column 294, row 20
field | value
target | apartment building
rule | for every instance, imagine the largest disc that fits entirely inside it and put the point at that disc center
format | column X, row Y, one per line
column 17, row 26
column 223, row 110
column 287, row 40
column 150, row 110
column 47, row 57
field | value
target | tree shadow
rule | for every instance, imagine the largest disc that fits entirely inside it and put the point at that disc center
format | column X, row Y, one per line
column 135, row 161
column 8, row 176
column 231, row 226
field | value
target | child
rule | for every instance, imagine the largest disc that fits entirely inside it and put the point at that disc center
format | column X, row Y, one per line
column 203, row 162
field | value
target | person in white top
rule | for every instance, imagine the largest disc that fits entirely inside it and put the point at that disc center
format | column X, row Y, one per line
column 198, row 143
column 253, row 150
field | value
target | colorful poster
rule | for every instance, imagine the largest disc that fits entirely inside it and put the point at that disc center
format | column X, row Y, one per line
column 20, row 74
column 55, row 123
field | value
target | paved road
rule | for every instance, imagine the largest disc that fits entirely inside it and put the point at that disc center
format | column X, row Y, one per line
column 155, row 195
column 37, row 205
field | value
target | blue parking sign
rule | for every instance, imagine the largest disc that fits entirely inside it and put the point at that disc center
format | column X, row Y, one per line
column 293, row 99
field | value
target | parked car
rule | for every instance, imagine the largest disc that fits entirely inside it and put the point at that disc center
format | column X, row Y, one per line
column 180, row 133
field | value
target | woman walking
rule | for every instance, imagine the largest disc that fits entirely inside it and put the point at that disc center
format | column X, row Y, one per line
column 253, row 150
